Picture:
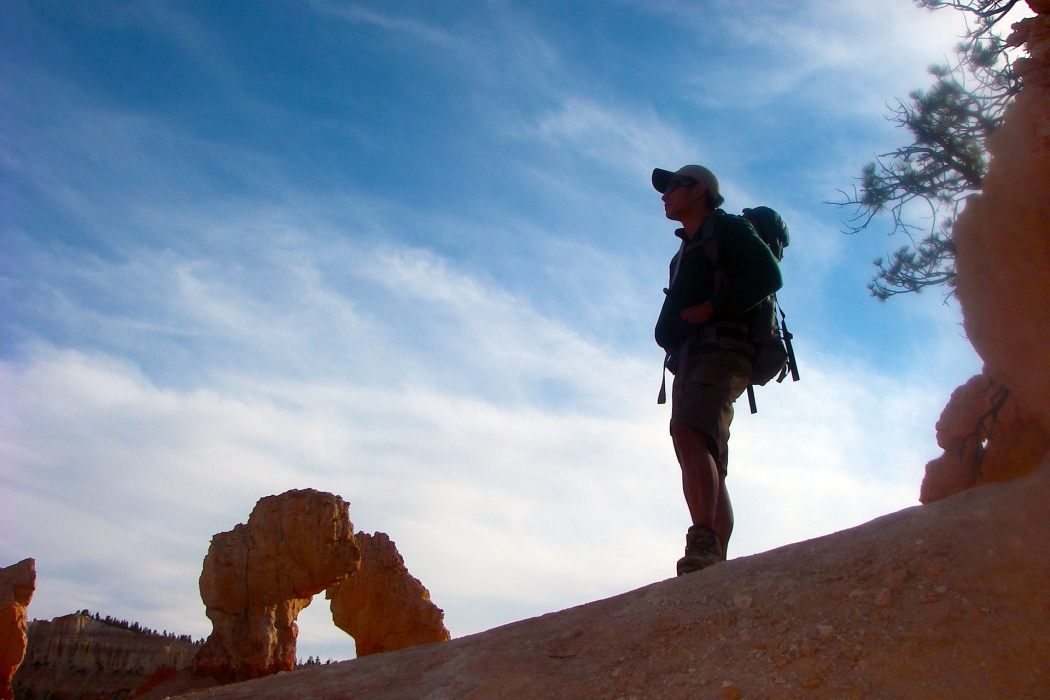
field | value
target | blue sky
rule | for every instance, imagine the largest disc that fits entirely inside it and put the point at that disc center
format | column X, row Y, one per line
column 411, row 256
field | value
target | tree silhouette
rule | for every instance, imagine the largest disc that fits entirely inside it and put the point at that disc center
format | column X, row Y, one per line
column 946, row 160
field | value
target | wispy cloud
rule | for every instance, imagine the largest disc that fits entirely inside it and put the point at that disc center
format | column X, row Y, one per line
column 412, row 28
column 503, row 497
column 620, row 141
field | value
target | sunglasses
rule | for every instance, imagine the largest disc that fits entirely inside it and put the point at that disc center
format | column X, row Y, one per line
column 675, row 182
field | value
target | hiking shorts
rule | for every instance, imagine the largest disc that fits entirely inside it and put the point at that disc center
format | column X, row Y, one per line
column 702, row 397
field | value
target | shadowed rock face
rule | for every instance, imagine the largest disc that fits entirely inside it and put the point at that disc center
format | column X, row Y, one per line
column 259, row 576
column 987, row 435
column 17, row 583
column 1002, row 238
column 382, row 606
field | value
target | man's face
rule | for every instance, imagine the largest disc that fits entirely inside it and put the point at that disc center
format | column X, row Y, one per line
column 681, row 196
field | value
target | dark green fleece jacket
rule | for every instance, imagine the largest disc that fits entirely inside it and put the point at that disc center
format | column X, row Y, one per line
column 751, row 270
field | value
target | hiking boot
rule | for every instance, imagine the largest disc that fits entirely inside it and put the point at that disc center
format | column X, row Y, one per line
column 701, row 550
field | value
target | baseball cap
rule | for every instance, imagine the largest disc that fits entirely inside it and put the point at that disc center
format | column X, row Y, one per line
column 696, row 172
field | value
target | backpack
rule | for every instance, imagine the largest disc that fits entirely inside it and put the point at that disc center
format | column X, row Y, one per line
column 774, row 355
column 768, row 340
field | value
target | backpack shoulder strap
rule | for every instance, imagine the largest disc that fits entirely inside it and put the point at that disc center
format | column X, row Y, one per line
column 708, row 240
column 705, row 238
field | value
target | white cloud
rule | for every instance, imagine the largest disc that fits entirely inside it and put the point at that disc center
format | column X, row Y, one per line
column 521, row 465
column 848, row 56
column 504, row 508
column 622, row 141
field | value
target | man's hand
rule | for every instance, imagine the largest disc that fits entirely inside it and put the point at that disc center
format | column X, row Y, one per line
column 698, row 314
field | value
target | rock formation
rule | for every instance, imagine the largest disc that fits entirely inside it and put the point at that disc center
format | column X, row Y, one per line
column 1002, row 238
column 17, row 583
column 259, row 576
column 948, row 601
column 1002, row 242
column 76, row 655
column 987, row 435
column 382, row 606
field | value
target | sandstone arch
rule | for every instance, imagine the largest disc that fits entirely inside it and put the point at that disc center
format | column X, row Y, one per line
column 382, row 606
column 259, row 576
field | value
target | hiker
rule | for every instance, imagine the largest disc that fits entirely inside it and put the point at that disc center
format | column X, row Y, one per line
column 721, row 271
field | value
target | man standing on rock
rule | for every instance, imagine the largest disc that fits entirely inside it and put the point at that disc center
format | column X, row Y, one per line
column 721, row 271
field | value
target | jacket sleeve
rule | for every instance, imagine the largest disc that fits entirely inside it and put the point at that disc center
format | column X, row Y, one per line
column 751, row 269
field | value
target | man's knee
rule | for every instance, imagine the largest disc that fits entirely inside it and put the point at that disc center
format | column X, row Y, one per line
column 686, row 435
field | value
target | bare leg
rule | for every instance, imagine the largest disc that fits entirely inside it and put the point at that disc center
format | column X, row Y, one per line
column 700, row 482
column 703, row 485
column 723, row 516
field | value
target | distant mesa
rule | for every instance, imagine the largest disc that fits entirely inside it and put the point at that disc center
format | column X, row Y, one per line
column 80, row 656
column 17, row 584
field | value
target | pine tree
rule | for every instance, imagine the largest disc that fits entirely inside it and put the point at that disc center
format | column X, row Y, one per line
column 946, row 161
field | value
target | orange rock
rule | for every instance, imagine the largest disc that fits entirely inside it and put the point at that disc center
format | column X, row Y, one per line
column 1017, row 441
column 988, row 435
column 17, row 583
column 258, row 577
column 1002, row 238
column 382, row 606
column 960, row 433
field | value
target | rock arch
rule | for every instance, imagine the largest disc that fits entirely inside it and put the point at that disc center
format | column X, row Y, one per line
column 259, row 576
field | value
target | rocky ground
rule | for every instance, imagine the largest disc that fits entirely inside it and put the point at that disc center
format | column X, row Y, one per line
column 948, row 600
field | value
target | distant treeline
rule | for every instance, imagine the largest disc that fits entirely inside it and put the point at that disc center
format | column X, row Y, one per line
column 137, row 628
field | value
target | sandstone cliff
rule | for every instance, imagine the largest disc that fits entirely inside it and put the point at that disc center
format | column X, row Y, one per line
column 17, row 583
column 382, row 606
column 259, row 576
column 77, row 656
